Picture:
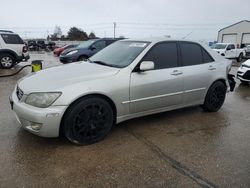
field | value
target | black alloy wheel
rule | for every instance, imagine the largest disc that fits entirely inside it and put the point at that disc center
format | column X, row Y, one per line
column 88, row 121
column 215, row 97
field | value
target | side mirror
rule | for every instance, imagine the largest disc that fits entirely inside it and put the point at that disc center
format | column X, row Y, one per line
column 92, row 48
column 147, row 65
column 228, row 48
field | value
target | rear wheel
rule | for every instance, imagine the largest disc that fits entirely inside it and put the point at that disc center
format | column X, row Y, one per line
column 88, row 121
column 239, row 59
column 7, row 61
column 215, row 97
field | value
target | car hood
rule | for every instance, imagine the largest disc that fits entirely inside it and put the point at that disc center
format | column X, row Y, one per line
column 247, row 62
column 71, row 49
column 219, row 50
column 54, row 78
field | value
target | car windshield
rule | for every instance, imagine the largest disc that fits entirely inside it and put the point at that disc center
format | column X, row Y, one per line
column 86, row 44
column 119, row 54
column 219, row 46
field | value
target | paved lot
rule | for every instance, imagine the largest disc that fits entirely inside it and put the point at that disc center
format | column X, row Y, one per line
column 182, row 148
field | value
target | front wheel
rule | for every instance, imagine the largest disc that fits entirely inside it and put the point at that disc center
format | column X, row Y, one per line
column 215, row 97
column 88, row 121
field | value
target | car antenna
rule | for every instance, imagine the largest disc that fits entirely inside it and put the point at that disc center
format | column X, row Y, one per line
column 187, row 35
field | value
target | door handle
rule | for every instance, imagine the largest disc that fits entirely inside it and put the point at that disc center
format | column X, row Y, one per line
column 211, row 67
column 176, row 72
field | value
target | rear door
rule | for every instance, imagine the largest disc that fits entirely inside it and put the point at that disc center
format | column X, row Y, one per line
column 161, row 87
column 13, row 42
column 198, row 67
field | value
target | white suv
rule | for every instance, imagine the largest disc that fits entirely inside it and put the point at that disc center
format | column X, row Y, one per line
column 12, row 49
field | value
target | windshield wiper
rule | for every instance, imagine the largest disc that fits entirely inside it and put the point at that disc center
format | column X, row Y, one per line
column 103, row 63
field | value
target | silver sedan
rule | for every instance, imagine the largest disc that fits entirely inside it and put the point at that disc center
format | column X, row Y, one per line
column 128, row 79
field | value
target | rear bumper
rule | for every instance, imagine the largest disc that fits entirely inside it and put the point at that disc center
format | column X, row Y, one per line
column 231, row 81
column 24, row 57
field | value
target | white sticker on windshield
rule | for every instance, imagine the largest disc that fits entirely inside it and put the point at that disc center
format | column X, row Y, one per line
column 140, row 45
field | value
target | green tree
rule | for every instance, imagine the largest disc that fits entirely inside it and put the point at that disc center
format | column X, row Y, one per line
column 92, row 35
column 77, row 34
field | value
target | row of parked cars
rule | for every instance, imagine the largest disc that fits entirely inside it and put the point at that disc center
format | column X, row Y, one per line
column 84, row 50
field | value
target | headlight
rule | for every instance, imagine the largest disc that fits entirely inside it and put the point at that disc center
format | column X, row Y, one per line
column 42, row 100
column 72, row 52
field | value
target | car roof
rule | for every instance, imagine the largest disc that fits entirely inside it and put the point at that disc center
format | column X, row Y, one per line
column 7, row 32
column 159, row 39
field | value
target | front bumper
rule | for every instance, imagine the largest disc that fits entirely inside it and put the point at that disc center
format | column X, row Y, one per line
column 48, row 119
column 243, row 74
column 67, row 59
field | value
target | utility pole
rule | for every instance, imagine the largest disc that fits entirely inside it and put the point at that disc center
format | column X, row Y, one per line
column 114, row 28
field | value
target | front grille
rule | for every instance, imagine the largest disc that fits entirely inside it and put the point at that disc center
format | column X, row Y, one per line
column 19, row 93
column 246, row 75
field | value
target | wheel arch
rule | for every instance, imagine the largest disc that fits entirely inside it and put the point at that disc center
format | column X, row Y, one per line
column 8, row 51
column 105, row 97
column 217, row 80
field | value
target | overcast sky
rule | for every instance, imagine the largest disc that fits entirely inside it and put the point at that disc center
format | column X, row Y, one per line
column 196, row 19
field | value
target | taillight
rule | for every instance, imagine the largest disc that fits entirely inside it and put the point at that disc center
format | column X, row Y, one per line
column 25, row 49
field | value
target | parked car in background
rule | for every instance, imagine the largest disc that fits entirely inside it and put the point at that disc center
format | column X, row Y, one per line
column 32, row 45
column 85, row 50
column 229, row 51
column 247, row 49
column 243, row 73
column 12, row 49
column 128, row 79
column 51, row 46
column 41, row 44
column 59, row 50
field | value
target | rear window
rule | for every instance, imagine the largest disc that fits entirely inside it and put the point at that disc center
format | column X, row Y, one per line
column 12, row 39
column 191, row 54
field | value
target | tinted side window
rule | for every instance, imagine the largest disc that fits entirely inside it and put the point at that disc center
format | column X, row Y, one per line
column 12, row 39
column 164, row 55
column 232, row 46
column 100, row 45
column 191, row 54
column 206, row 57
column 108, row 42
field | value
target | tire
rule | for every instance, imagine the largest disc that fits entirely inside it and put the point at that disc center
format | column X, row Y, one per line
column 215, row 97
column 88, row 121
column 244, row 82
column 7, row 61
column 83, row 58
column 239, row 59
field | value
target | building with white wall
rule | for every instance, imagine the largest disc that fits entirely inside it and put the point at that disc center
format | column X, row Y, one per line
column 238, row 34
